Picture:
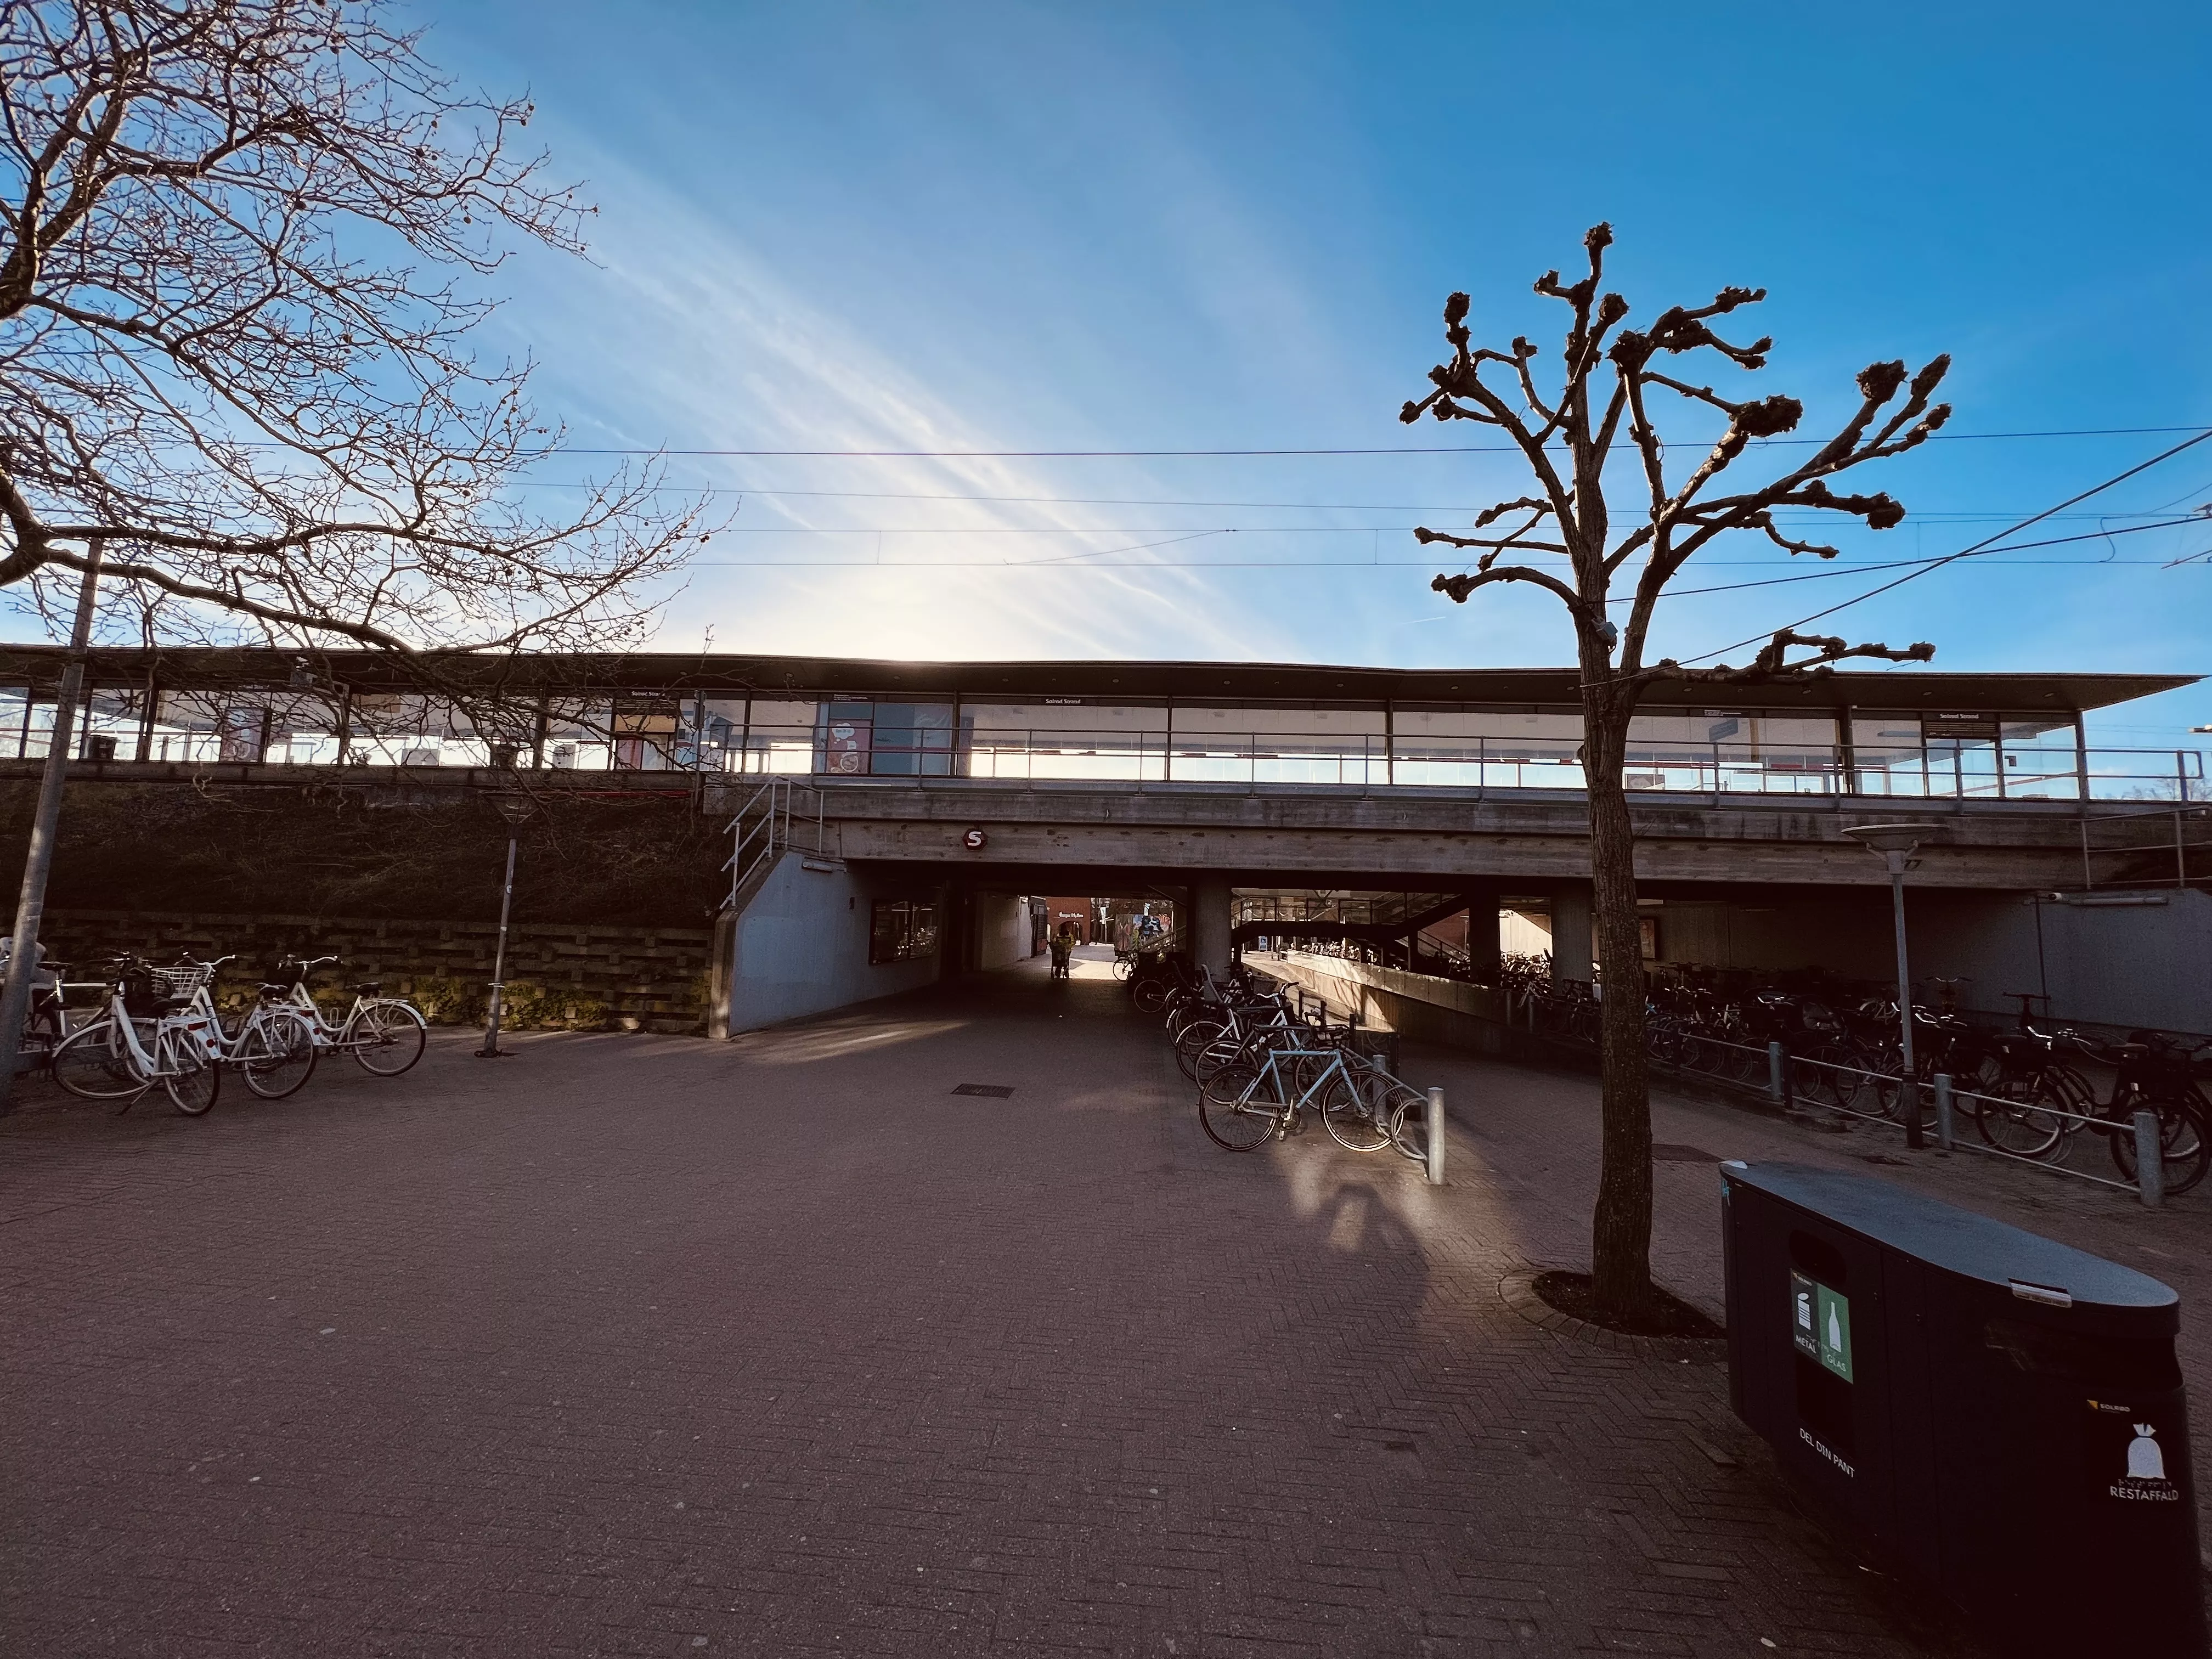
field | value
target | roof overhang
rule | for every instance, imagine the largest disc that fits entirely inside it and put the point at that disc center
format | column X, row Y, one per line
column 1089, row 680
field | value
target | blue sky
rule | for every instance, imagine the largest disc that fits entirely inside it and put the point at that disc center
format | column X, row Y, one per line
column 1134, row 228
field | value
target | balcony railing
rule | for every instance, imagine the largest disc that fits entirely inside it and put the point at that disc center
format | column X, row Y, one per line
column 1252, row 759
column 1242, row 760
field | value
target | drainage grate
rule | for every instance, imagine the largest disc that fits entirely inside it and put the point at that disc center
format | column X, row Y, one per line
column 1664, row 1151
column 987, row 1091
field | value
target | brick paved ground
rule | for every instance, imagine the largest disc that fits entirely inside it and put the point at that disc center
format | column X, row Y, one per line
column 650, row 1346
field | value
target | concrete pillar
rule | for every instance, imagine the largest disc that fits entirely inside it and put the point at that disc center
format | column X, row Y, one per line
column 1571, row 931
column 1482, row 948
column 1210, row 922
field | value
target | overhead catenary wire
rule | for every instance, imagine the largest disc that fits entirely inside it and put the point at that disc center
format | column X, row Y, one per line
column 1986, row 543
column 1203, row 454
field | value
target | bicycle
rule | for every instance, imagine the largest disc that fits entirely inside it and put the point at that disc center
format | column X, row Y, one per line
column 2150, row 1074
column 1243, row 1105
column 165, row 1038
column 391, row 1030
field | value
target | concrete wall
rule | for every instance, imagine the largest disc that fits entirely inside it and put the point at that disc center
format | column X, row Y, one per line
column 1417, row 1006
column 801, row 947
column 1002, row 929
column 2145, row 962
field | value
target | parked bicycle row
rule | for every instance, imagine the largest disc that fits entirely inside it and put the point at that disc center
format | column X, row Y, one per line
column 2031, row 1093
column 158, row 1026
column 1262, row 1065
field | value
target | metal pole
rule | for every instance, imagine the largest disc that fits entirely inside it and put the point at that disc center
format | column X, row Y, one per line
column 1909, row 1084
column 1944, row 1129
column 1436, row 1135
column 31, row 902
column 1774, row 1072
column 2150, row 1161
column 492, row 1050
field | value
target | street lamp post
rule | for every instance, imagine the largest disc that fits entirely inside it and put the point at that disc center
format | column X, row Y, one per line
column 1895, row 844
column 516, row 810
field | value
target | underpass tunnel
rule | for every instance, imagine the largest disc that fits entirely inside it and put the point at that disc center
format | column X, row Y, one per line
column 828, row 933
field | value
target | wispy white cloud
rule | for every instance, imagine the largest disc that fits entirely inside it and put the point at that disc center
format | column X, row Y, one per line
column 686, row 337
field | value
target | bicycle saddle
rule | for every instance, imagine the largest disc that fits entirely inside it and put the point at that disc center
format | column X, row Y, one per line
column 369, row 988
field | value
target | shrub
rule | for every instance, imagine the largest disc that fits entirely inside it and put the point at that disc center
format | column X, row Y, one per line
column 449, row 1002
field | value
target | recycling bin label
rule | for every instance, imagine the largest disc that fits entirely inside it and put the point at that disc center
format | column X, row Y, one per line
column 2126, row 1457
column 1821, row 1324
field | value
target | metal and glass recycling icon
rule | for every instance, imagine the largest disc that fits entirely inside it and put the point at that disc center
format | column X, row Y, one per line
column 1821, row 1324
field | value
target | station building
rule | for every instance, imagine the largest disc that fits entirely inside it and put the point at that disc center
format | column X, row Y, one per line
column 891, row 821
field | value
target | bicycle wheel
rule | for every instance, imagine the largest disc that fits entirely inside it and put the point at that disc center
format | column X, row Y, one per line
column 1121, row 967
column 1216, row 1054
column 1150, row 995
column 386, row 1038
column 189, row 1078
column 1349, row 1116
column 1404, row 1111
column 2018, row 1127
column 1231, row 1112
column 2183, row 1145
column 93, row 1064
column 1194, row 1040
column 278, row 1055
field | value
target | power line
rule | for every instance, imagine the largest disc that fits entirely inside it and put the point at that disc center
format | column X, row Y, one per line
column 1066, row 562
column 1924, row 516
column 1969, row 552
column 1260, row 530
column 1173, row 455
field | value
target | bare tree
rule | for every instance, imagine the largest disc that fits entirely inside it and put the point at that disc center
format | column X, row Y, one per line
column 1607, row 376
column 242, row 246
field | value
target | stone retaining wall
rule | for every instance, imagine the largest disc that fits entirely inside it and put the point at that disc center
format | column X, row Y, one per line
column 628, row 978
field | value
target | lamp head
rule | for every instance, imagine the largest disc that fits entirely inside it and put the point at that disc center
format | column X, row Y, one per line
column 1892, row 837
column 515, row 809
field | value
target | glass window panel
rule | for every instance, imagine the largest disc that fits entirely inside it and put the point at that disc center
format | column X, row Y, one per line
column 396, row 728
column 1232, row 743
column 2039, row 759
column 649, row 733
column 111, row 722
column 217, row 724
column 1741, row 751
column 900, row 739
column 780, row 736
column 14, row 716
column 719, row 724
column 579, row 734
column 1070, row 738
column 1488, row 748
column 899, row 929
column 1887, row 752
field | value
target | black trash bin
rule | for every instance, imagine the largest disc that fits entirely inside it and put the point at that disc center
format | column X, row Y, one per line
column 1997, row 1413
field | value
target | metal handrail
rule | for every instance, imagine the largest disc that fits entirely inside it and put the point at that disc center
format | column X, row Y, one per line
column 765, row 835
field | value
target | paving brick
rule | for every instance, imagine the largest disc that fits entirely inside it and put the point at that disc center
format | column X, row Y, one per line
column 634, row 1341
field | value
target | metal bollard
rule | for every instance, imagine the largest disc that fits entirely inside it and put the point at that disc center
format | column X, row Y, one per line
column 2150, row 1161
column 1774, row 1072
column 1943, row 1110
column 1435, row 1130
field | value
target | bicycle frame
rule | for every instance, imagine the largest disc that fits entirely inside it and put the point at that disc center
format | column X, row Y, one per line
column 1287, row 1112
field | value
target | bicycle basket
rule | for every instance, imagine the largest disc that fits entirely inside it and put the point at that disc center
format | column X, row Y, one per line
column 148, row 990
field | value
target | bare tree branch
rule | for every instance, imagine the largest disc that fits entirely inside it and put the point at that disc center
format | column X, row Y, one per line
column 241, row 253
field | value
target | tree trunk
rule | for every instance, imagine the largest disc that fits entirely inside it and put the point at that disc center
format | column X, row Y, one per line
column 1621, row 1231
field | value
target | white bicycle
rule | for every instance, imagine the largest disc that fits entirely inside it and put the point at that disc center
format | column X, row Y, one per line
column 385, row 1034
column 158, row 1027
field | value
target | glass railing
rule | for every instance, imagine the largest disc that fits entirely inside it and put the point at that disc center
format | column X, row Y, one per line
column 1242, row 760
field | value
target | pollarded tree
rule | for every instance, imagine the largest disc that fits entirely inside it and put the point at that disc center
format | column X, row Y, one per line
column 1601, row 408
column 241, row 252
